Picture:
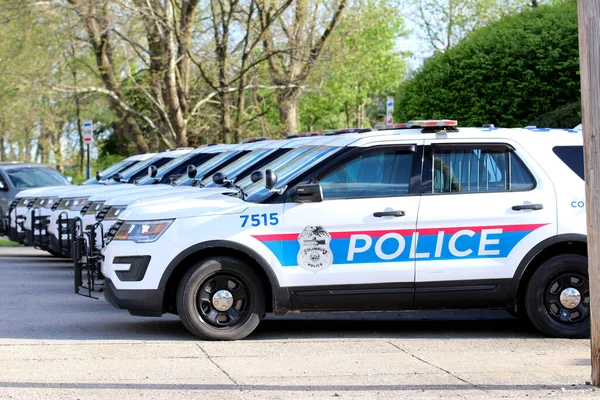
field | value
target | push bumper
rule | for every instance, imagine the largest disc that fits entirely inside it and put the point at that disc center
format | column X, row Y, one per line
column 145, row 303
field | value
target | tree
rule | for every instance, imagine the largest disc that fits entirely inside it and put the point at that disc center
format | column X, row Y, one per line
column 508, row 73
column 443, row 23
column 361, row 63
column 297, row 41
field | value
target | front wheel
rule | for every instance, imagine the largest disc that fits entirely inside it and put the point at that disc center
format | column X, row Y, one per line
column 220, row 298
column 557, row 299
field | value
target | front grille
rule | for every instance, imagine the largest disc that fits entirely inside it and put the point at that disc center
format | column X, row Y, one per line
column 112, row 232
column 102, row 213
column 13, row 205
column 86, row 207
column 55, row 204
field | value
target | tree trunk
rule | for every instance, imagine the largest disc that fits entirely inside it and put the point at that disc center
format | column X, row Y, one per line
column 226, row 118
column 288, row 112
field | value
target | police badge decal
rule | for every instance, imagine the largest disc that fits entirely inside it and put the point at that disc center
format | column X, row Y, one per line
column 315, row 254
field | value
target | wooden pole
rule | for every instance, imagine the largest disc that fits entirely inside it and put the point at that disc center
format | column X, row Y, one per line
column 589, row 56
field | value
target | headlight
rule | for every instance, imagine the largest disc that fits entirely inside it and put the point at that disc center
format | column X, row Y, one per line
column 25, row 202
column 73, row 204
column 142, row 231
column 94, row 207
column 44, row 203
column 114, row 212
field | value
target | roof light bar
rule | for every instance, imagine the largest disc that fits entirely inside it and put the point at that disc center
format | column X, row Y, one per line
column 254, row 139
column 345, row 130
column 303, row 134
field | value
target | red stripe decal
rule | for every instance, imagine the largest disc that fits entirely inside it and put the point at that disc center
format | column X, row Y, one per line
column 405, row 232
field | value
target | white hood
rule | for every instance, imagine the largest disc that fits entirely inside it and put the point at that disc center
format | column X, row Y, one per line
column 182, row 207
column 174, row 192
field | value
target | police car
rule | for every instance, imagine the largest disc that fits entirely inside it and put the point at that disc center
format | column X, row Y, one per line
column 424, row 215
column 43, row 199
column 238, row 171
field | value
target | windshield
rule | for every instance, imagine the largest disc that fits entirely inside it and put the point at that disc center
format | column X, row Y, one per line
column 287, row 167
column 110, row 171
column 234, row 169
column 208, row 167
column 177, row 166
column 35, row 177
column 140, row 169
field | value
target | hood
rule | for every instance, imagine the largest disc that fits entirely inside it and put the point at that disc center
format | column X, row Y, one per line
column 86, row 190
column 160, row 191
column 41, row 191
column 166, row 208
column 118, row 191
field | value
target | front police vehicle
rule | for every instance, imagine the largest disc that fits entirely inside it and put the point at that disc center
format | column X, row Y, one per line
column 429, row 216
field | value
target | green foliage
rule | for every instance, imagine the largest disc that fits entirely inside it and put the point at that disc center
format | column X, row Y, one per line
column 509, row 73
column 363, row 62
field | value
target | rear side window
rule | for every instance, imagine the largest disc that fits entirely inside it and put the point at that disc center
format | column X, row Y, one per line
column 479, row 170
column 572, row 156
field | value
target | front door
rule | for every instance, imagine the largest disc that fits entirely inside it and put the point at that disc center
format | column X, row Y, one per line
column 353, row 249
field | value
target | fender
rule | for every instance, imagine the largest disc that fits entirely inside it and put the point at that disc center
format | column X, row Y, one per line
column 212, row 244
column 534, row 252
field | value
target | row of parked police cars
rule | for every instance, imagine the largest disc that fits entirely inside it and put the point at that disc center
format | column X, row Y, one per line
column 409, row 216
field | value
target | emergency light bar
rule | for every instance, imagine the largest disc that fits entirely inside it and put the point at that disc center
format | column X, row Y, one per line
column 303, row 134
column 330, row 132
column 414, row 124
column 254, row 139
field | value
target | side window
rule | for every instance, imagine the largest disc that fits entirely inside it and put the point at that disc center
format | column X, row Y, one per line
column 378, row 173
column 479, row 170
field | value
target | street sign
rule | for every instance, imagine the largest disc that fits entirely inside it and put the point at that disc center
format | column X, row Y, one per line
column 389, row 117
column 88, row 131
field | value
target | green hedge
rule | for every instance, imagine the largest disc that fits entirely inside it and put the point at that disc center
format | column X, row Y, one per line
column 521, row 70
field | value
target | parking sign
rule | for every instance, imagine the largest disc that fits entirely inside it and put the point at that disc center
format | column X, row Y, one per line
column 88, row 131
column 389, row 117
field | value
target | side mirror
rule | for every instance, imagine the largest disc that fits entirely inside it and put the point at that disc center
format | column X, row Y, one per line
column 191, row 171
column 256, row 176
column 152, row 171
column 3, row 186
column 98, row 176
column 309, row 193
column 117, row 177
column 219, row 178
column 270, row 179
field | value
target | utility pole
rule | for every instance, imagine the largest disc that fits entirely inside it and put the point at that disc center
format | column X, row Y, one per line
column 589, row 59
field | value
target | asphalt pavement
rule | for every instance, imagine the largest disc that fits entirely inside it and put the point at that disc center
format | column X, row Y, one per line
column 57, row 345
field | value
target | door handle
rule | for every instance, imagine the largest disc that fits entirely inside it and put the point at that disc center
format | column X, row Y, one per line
column 528, row 207
column 389, row 214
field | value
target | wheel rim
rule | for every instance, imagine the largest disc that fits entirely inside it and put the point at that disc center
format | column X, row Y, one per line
column 567, row 298
column 223, row 301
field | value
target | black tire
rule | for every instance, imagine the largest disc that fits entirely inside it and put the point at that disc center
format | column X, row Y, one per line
column 542, row 297
column 195, row 299
column 55, row 254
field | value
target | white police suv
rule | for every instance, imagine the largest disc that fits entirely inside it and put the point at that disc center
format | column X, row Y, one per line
column 424, row 215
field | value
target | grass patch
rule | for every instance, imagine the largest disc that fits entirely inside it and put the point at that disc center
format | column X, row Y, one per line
column 9, row 243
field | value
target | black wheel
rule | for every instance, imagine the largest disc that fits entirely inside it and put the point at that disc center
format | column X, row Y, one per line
column 557, row 299
column 220, row 299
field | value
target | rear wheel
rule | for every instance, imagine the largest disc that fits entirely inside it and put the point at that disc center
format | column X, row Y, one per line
column 557, row 299
column 220, row 298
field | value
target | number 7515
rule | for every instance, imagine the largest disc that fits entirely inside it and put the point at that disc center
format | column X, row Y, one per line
column 260, row 219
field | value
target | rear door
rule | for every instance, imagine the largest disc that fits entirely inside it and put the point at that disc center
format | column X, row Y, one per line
column 483, row 207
